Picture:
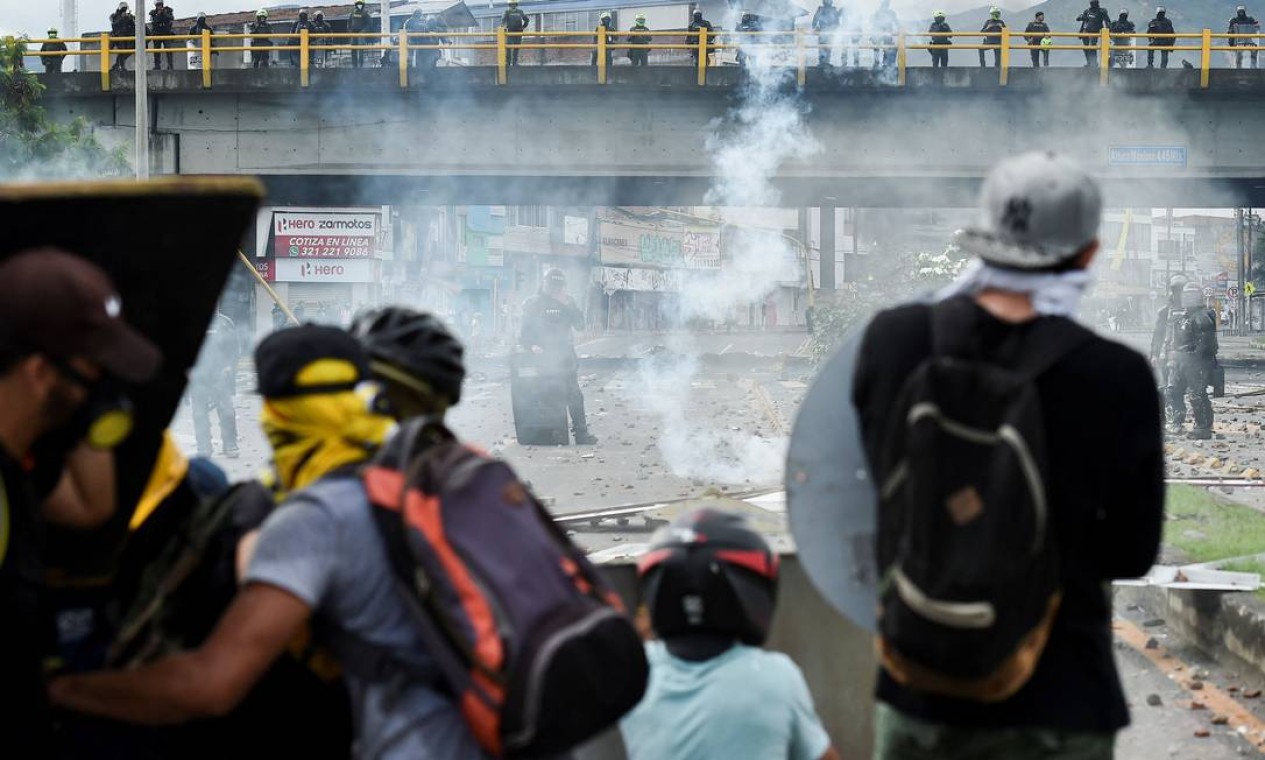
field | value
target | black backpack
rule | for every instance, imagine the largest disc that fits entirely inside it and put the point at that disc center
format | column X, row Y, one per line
column 971, row 580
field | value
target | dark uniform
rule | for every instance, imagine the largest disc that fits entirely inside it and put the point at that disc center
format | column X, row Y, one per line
column 514, row 20
column 122, row 24
column 940, row 45
column 213, row 385
column 1243, row 24
column 884, row 25
column 826, row 25
column 260, row 26
column 1092, row 19
column 696, row 23
column 302, row 23
column 639, row 34
column 1191, row 351
column 992, row 27
column 547, row 324
column 1034, row 33
column 1159, row 25
column 26, row 629
column 603, row 31
column 749, row 23
column 52, row 63
column 320, row 28
column 1121, row 58
column 162, row 22
column 359, row 20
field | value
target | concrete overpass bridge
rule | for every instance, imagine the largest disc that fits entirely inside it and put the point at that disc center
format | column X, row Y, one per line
column 554, row 136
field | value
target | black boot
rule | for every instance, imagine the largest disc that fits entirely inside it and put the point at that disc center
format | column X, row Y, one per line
column 585, row 438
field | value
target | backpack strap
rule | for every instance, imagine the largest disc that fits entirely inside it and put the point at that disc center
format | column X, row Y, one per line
column 1049, row 339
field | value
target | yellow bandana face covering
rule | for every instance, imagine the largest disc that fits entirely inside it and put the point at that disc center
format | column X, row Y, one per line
column 312, row 435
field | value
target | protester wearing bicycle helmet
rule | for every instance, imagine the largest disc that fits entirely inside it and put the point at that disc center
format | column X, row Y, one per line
column 416, row 358
column 709, row 583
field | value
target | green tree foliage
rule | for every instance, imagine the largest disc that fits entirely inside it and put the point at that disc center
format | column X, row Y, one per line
column 34, row 146
column 837, row 314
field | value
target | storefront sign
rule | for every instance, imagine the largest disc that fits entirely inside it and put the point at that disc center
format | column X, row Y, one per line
column 646, row 280
column 333, row 270
column 324, row 235
column 629, row 241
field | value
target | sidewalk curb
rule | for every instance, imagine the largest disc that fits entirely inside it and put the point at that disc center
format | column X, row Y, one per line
column 1227, row 626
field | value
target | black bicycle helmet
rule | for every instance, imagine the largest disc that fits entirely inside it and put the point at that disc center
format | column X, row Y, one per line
column 415, row 343
column 708, row 572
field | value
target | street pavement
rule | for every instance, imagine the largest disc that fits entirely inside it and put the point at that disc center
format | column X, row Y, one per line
column 736, row 405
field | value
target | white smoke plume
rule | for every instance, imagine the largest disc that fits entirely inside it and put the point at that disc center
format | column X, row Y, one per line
column 760, row 134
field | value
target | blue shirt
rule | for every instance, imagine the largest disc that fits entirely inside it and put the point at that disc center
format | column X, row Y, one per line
column 322, row 546
column 745, row 703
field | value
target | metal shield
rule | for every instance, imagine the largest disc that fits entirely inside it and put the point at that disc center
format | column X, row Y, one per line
column 831, row 499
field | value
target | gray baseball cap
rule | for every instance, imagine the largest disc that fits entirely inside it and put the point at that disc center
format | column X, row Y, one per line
column 1037, row 210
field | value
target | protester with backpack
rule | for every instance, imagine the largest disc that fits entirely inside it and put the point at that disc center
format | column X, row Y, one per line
column 710, row 583
column 1003, row 512
column 520, row 669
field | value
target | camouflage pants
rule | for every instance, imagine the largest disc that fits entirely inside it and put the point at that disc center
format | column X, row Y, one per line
column 900, row 737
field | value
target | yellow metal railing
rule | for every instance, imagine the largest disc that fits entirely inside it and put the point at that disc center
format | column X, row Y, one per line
column 788, row 48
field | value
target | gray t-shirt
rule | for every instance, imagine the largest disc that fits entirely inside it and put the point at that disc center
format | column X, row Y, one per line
column 322, row 546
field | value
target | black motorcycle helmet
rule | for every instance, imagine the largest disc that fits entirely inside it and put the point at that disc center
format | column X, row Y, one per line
column 407, row 346
column 708, row 573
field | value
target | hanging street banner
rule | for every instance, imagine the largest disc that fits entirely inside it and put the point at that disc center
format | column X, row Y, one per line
column 657, row 242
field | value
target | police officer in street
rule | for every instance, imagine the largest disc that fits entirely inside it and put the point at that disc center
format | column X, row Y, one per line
column 514, row 20
column 162, row 22
column 1191, row 352
column 1035, row 34
column 1161, row 24
column 697, row 22
column 639, row 34
column 122, row 24
column 1121, row 55
column 939, row 46
column 259, row 60
column 359, row 20
column 548, row 319
column 826, row 25
column 213, row 383
column 992, row 27
column 52, row 63
column 1159, row 338
column 1092, row 19
column 1243, row 24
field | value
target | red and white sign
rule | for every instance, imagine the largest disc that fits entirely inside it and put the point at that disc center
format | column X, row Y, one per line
column 310, row 235
column 322, row 270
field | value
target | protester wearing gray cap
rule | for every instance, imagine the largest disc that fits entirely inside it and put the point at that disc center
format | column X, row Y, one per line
column 1019, row 464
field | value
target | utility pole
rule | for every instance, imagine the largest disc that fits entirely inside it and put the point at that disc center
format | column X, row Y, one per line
column 1239, row 239
column 142, row 95
column 70, row 28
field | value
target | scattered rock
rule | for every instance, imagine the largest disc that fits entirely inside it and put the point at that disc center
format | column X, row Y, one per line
column 1195, row 686
column 1252, row 694
column 1153, row 623
column 1197, row 705
column 1154, row 700
column 1203, row 733
column 1220, row 720
column 1152, row 643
